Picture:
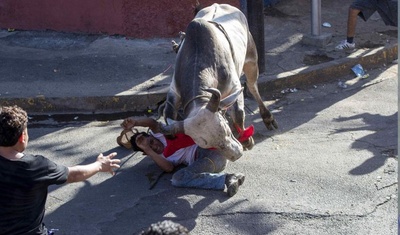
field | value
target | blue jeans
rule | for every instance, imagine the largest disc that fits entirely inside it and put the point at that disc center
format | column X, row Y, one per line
column 204, row 172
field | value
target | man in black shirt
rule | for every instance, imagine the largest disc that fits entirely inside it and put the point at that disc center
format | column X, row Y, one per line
column 24, row 178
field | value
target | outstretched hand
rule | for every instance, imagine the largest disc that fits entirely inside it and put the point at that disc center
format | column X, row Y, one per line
column 108, row 163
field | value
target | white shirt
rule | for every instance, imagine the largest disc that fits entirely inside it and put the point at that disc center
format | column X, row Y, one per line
column 182, row 156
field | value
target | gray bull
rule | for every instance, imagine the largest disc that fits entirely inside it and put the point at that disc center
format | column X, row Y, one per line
column 217, row 48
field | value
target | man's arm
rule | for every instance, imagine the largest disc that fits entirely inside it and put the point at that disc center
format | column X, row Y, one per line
column 151, row 123
column 161, row 161
column 102, row 164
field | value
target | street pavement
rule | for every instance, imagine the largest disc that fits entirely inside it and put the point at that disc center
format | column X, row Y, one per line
column 56, row 72
column 331, row 168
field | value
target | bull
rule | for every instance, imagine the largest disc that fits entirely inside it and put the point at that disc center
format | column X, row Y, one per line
column 217, row 48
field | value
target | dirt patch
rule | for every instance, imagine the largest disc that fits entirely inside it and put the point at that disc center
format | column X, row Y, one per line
column 273, row 12
column 391, row 33
column 316, row 59
column 370, row 44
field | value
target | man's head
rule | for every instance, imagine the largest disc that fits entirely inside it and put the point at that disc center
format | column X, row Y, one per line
column 135, row 147
column 13, row 122
column 140, row 138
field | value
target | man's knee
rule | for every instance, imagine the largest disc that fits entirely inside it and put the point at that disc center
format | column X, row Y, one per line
column 179, row 177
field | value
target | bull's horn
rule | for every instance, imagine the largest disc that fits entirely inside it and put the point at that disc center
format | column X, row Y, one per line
column 172, row 129
column 213, row 104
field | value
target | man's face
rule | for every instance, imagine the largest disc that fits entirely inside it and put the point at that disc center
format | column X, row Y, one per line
column 150, row 141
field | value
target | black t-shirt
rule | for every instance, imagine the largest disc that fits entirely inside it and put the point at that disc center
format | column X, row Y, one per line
column 23, row 192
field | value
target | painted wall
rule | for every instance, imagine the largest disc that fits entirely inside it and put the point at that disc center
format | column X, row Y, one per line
column 131, row 18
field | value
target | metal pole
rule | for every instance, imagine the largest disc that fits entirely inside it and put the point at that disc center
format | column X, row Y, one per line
column 255, row 17
column 316, row 17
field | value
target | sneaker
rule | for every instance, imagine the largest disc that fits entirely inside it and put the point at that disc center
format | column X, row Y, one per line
column 232, row 182
column 344, row 45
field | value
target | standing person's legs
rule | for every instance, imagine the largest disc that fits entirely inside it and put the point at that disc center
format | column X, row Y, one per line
column 352, row 23
column 363, row 9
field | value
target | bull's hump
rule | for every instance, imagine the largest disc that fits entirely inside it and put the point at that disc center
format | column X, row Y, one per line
column 198, row 28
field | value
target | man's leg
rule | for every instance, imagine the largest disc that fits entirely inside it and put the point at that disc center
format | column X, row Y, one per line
column 363, row 9
column 352, row 23
column 205, row 173
column 351, row 30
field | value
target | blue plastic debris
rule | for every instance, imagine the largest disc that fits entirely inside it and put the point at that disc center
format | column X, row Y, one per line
column 359, row 71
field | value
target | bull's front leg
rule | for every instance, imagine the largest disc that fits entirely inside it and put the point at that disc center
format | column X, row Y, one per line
column 238, row 118
column 251, row 71
column 171, row 106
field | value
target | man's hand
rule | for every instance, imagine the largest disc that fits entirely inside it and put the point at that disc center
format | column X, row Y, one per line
column 128, row 123
column 151, row 123
column 102, row 164
column 142, row 142
column 108, row 163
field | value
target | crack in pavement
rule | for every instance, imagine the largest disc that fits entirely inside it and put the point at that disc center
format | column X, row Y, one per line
column 291, row 215
column 385, row 186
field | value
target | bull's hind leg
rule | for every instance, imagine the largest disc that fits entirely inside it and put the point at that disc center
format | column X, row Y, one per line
column 250, row 69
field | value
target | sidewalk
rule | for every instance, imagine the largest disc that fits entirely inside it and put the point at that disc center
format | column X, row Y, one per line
column 56, row 72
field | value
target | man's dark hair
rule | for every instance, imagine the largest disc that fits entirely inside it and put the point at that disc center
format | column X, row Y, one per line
column 13, row 121
column 166, row 227
column 133, row 140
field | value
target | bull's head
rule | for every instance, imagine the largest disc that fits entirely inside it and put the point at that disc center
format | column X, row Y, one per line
column 209, row 129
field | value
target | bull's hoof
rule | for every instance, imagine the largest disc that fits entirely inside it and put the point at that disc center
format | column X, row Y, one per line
column 248, row 144
column 270, row 123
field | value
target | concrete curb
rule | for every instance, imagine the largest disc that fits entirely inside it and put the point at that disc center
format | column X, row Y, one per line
column 327, row 72
column 268, row 85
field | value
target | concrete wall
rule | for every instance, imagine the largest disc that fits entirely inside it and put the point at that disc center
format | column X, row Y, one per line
column 132, row 18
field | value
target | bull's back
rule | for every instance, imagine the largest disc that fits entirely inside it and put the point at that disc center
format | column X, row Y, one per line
column 199, row 58
column 232, row 20
column 213, row 52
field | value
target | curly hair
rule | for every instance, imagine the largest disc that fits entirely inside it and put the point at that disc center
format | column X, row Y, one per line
column 166, row 227
column 13, row 121
column 135, row 147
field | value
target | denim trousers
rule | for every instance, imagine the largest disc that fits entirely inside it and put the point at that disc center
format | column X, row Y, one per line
column 204, row 172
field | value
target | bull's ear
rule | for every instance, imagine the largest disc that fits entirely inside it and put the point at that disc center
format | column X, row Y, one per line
column 213, row 104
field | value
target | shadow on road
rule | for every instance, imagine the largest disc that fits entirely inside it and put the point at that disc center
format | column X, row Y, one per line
column 133, row 206
column 375, row 142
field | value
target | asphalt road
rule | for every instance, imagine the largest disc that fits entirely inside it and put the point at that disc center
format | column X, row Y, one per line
column 331, row 168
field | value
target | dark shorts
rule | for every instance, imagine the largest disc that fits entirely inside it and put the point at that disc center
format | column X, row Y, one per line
column 387, row 9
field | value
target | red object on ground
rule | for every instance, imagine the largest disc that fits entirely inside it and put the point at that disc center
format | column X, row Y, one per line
column 245, row 134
